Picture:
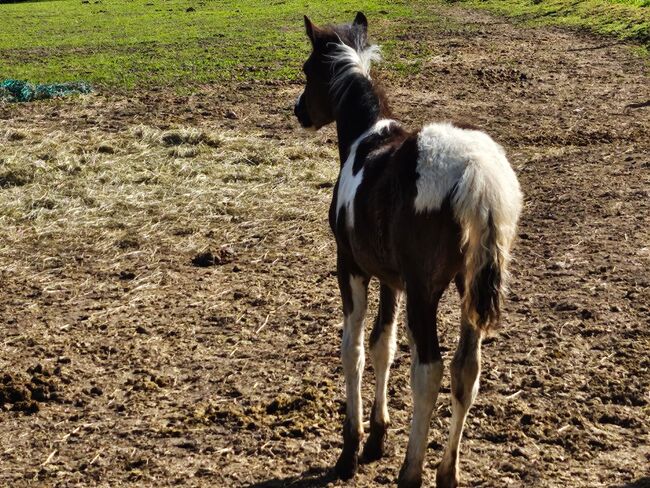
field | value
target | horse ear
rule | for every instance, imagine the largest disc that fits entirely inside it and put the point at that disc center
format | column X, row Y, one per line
column 309, row 27
column 361, row 20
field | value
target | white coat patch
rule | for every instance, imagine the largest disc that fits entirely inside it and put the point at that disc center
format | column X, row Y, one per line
column 444, row 153
column 348, row 181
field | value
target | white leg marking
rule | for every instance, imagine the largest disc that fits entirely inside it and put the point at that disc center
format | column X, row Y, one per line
column 449, row 463
column 382, row 354
column 464, row 381
column 425, row 383
column 352, row 352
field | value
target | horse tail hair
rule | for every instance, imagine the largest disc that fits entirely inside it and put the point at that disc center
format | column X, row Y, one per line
column 487, row 204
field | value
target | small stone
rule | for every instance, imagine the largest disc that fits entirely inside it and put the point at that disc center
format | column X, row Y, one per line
column 127, row 275
column 586, row 314
column 526, row 419
column 519, row 452
column 204, row 472
column 15, row 135
column 565, row 306
column 172, row 138
column 106, row 149
column 204, row 259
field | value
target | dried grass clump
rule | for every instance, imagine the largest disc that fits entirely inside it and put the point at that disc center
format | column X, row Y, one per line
column 184, row 151
column 61, row 197
column 12, row 174
column 15, row 135
column 176, row 137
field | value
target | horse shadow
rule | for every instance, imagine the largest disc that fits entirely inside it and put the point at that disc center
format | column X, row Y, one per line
column 321, row 477
column 312, row 478
column 640, row 483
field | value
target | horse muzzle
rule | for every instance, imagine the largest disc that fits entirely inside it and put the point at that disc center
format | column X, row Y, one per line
column 300, row 110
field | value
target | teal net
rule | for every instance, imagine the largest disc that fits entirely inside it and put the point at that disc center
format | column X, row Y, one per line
column 22, row 91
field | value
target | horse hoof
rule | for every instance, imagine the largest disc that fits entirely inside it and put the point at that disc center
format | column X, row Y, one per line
column 371, row 454
column 408, row 482
column 403, row 483
column 373, row 450
column 346, row 466
column 446, row 480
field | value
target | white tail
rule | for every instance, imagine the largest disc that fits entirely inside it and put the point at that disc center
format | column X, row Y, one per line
column 487, row 204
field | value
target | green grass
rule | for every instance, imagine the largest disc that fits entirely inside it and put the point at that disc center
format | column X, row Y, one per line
column 129, row 44
column 153, row 42
column 623, row 19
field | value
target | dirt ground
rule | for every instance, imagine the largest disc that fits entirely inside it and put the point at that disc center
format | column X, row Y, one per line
column 169, row 311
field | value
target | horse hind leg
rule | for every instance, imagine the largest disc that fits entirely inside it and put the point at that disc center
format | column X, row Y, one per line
column 426, row 374
column 465, row 370
column 382, row 351
column 354, row 294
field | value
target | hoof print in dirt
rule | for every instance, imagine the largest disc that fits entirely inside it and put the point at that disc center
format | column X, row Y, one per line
column 205, row 259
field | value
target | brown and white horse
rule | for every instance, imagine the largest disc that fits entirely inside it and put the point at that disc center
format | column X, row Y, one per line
column 417, row 210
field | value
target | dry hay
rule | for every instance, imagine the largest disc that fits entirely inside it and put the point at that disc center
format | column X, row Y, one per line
column 146, row 192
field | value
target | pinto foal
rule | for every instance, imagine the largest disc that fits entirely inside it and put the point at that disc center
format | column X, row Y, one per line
column 417, row 210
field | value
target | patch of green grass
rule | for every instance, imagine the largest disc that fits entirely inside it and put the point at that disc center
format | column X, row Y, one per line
column 624, row 19
column 127, row 44
column 141, row 43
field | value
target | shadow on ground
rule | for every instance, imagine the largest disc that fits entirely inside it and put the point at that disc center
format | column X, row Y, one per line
column 640, row 483
column 313, row 477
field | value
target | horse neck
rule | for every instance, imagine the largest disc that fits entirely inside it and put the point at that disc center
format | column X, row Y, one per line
column 358, row 110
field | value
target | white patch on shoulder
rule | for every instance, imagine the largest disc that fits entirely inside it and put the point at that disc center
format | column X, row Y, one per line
column 348, row 181
column 444, row 153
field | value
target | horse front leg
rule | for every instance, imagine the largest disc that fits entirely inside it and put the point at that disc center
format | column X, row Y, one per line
column 354, row 289
column 382, row 351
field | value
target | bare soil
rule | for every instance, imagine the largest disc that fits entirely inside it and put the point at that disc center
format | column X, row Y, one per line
column 191, row 338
